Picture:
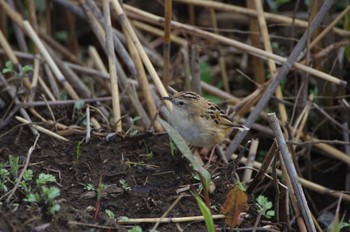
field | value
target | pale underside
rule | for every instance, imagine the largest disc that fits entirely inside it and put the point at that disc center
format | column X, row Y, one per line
column 198, row 130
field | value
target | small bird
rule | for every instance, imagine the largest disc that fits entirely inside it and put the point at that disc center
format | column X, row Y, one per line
column 199, row 121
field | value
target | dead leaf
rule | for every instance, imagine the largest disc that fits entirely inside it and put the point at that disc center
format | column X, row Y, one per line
column 235, row 204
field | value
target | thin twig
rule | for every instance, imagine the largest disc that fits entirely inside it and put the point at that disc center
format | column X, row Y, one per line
column 288, row 162
column 168, row 211
column 311, row 142
column 31, row 149
column 41, row 129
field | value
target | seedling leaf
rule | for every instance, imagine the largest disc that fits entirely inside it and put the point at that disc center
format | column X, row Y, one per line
column 14, row 166
column 208, row 218
column 110, row 214
column 135, row 229
column 44, row 179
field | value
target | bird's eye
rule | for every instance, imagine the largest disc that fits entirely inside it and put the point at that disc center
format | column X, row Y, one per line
column 181, row 103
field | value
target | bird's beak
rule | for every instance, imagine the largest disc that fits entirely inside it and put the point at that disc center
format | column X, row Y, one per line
column 167, row 98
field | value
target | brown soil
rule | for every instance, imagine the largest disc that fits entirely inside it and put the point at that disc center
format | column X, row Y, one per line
column 153, row 182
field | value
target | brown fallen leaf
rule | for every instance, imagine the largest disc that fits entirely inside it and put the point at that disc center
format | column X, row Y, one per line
column 235, row 204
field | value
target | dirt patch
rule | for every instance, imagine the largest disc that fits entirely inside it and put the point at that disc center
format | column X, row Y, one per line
column 144, row 162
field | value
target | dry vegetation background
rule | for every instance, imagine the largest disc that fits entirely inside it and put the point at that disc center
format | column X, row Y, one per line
column 87, row 69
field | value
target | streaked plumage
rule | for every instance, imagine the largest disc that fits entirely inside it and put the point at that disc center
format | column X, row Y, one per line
column 199, row 121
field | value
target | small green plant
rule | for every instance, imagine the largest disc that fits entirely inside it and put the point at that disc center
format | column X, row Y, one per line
column 125, row 185
column 149, row 154
column 25, row 182
column 89, row 187
column 337, row 225
column 110, row 214
column 10, row 69
column 36, row 191
column 265, row 207
column 77, row 152
column 4, row 178
column 9, row 177
column 61, row 36
column 45, row 179
column 172, row 147
column 79, row 112
column 14, row 166
column 45, row 196
column 135, row 229
column 132, row 130
column 122, row 219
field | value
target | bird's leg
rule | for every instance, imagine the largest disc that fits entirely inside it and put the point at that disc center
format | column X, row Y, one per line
column 210, row 157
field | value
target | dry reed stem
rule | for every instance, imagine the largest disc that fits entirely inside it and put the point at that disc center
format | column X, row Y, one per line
column 124, row 81
column 118, row 45
column 300, row 123
column 130, row 32
column 99, row 32
column 34, row 83
column 291, row 173
column 222, row 62
column 52, row 122
column 329, row 27
column 268, row 16
column 70, row 76
column 46, row 89
column 328, row 149
column 282, row 73
column 35, row 38
column 156, row 31
column 88, row 124
column 18, row 32
column 52, row 81
column 112, row 69
column 12, row 94
column 304, row 182
column 259, row 67
column 264, row 166
column 41, row 129
column 97, row 61
column 17, row 18
column 272, row 65
column 167, row 44
column 195, row 71
column 14, row 15
column 167, row 220
column 247, row 175
column 32, row 14
column 60, row 48
column 143, row 83
column 142, row 15
column 7, row 48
